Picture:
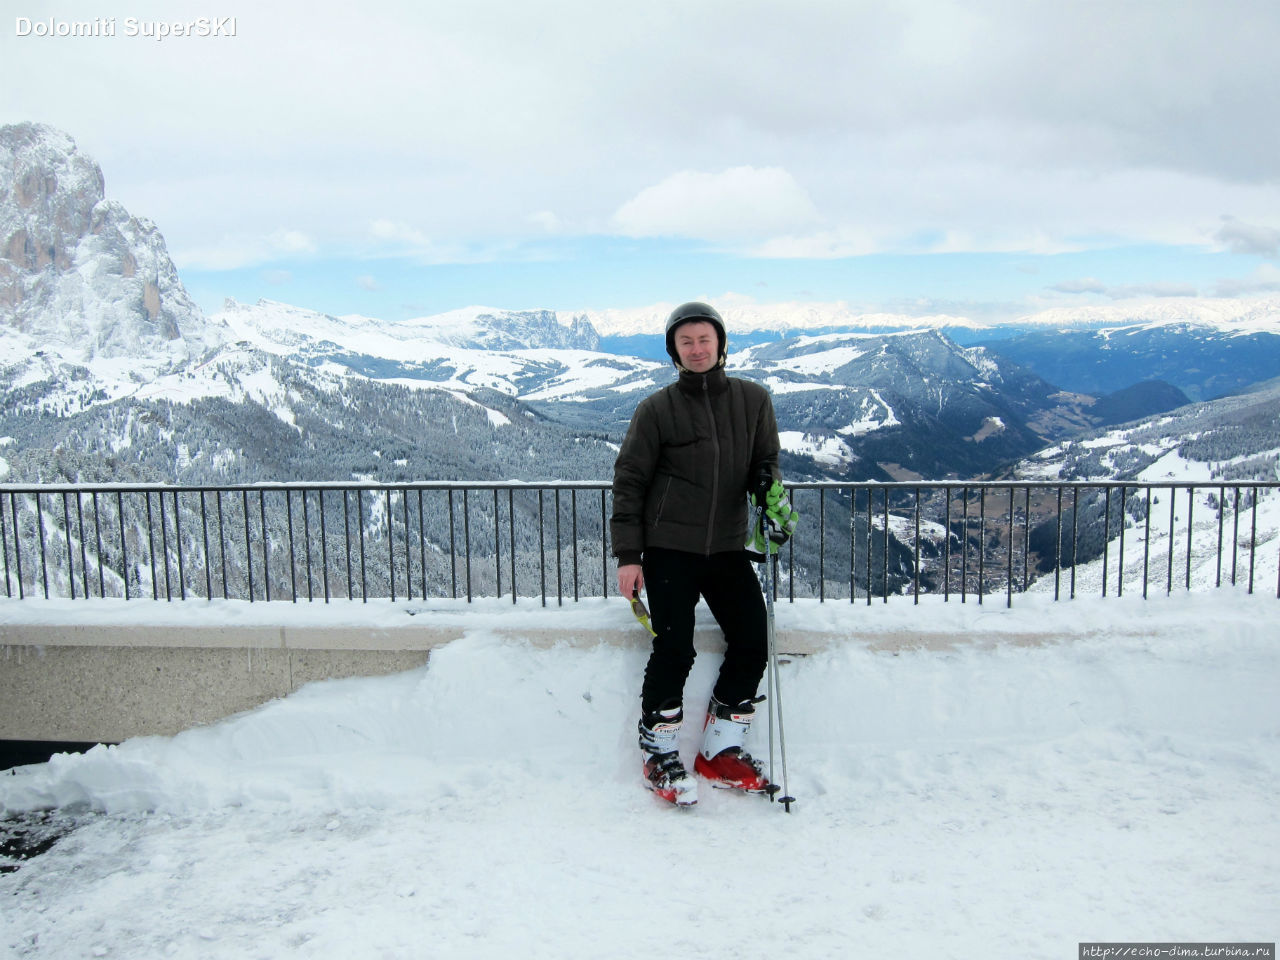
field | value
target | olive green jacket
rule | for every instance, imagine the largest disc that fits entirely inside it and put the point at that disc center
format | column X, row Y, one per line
column 681, row 477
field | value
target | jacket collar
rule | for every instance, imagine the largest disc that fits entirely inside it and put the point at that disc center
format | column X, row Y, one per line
column 713, row 381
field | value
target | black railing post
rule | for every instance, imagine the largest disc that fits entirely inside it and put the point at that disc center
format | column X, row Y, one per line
column 1222, row 510
column 324, row 545
column 559, row 558
column 1191, row 506
column 4, row 548
column 222, row 546
column 66, row 536
column 822, row 544
column 982, row 543
column 1008, row 576
column 542, row 550
column 1106, row 537
column 151, row 544
column 1253, row 538
column 870, row 528
column 1057, row 559
column 293, row 577
column 946, row 548
column 915, row 593
column 164, row 546
column 1075, row 536
column 1235, row 535
column 964, row 547
column 248, row 547
column 177, row 541
column 1026, row 538
column 346, row 538
column 884, row 586
column 422, row 546
column 497, row 547
column 391, row 543
column 208, row 560
column 853, row 515
column 306, row 545
column 511, row 525
column 453, row 552
column 1124, row 522
column 1146, row 547
column 97, row 532
column 266, row 545
column 84, row 553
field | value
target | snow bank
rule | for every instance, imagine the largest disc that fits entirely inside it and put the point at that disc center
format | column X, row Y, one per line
column 496, row 700
column 1002, row 784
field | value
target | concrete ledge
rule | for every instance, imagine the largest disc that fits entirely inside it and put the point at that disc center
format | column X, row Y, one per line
column 108, row 682
column 104, row 682
column 111, row 670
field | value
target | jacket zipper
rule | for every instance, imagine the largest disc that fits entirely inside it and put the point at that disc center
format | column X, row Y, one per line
column 715, row 465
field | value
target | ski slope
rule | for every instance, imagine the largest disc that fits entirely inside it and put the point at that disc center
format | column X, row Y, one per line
column 971, row 781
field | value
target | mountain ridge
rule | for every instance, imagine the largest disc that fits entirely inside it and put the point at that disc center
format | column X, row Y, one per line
column 80, row 276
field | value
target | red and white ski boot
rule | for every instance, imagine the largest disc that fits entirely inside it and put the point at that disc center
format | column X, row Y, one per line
column 722, row 759
column 664, row 773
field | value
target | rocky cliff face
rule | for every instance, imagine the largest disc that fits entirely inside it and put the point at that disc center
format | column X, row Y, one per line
column 78, row 273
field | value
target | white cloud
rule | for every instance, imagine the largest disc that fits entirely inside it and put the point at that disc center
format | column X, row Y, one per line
column 1083, row 285
column 1265, row 279
column 547, row 220
column 232, row 252
column 1127, row 291
column 395, row 232
column 912, row 126
column 822, row 245
column 1248, row 238
column 741, row 203
column 292, row 242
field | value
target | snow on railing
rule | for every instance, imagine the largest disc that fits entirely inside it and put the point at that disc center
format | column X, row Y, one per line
column 549, row 541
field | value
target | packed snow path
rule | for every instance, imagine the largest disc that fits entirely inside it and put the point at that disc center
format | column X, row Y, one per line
column 984, row 797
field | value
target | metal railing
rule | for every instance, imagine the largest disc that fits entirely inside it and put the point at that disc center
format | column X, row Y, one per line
column 549, row 541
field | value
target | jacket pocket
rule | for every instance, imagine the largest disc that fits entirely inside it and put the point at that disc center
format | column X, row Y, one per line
column 662, row 502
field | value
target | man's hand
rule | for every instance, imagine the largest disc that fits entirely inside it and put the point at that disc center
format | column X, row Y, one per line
column 779, row 516
column 630, row 579
column 779, row 522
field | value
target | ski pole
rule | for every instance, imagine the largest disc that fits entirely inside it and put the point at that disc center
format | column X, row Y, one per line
column 775, row 688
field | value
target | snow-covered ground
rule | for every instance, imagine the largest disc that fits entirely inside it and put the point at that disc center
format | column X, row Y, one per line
column 1028, row 779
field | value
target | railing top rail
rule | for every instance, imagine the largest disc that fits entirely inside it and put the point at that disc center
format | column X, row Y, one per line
column 1022, row 484
column 269, row 485
column 605, row 485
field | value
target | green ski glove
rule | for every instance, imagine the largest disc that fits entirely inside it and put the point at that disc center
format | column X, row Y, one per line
column 779, row 515
column 779, row 522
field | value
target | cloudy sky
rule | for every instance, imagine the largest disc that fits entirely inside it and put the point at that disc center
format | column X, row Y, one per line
column 990, row 157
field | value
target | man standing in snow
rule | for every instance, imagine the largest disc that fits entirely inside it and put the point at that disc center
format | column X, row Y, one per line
column 697, row 454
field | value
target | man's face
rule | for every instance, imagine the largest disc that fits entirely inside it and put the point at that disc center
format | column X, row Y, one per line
column 697, row 346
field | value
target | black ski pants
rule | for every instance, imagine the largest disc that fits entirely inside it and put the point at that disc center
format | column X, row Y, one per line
column 674, row 580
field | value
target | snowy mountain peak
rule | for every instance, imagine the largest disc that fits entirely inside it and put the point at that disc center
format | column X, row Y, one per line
column 484, row 328
column 79, row 276
column 1224, row 314
column 283, row 328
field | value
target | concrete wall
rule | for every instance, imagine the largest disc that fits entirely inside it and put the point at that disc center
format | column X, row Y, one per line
column 111, row 680
column 108, row 683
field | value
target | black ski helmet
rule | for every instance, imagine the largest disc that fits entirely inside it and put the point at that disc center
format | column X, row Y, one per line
column 690, row 312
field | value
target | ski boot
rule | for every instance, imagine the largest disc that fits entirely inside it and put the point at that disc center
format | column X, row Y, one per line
column 722, row 759
column 664, row 774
